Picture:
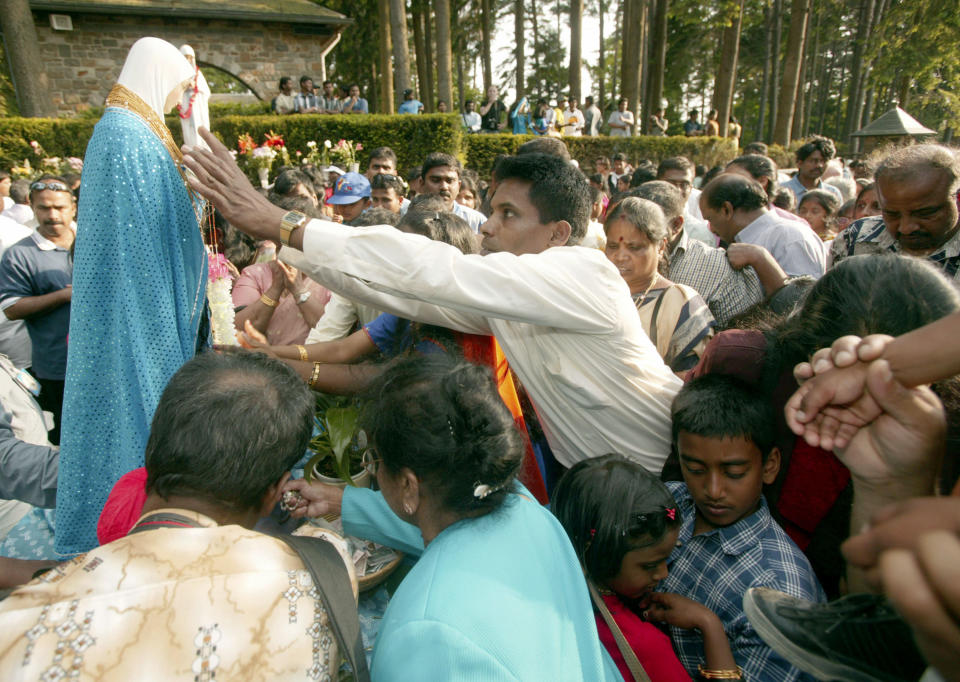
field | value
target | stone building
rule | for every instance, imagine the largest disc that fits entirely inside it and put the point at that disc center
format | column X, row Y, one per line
column 83, row 43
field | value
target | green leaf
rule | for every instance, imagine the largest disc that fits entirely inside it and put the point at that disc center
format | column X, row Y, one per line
column 341, row 428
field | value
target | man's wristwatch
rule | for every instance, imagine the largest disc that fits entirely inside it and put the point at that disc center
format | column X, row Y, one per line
column 304, row 297
column 289, row 223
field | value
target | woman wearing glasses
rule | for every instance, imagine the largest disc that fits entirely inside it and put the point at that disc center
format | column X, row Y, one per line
column 497, row 592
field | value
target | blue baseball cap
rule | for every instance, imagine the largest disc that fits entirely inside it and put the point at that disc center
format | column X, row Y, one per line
column 350, row 188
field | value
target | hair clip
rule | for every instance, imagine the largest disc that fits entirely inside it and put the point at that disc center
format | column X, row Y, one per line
column 671, row 513
column 481, row 490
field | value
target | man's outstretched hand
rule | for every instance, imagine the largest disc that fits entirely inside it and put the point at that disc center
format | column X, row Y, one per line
column 218, row 178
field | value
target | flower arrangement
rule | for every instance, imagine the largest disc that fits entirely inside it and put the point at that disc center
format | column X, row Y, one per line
column 261, row 158
column 219, row 283
column 343, row 153
column 53, row 165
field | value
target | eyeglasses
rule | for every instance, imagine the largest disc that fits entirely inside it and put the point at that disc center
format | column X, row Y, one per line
column 52, row 186
column 370, row 461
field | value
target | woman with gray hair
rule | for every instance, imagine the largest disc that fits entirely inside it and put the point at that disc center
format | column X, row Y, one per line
column 674, row 316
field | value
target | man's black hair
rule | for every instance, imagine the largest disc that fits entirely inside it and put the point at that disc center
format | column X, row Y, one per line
column 756, row 148
column 817, row 143
column 720, row 406
column 557, row 189
column 759, row 167
column 384, row 153
column 283, row 81
column 375, row 216
column 545, row 145
column 680, row 163
column 387, row 181
column 304, row 79
column 227, row 427
column 437, row 159
column 644, row 172
column 743, row 194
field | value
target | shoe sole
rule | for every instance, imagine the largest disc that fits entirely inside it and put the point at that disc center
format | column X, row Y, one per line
column 814, row 664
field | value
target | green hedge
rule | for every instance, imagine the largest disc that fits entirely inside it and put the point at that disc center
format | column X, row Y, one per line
column 412, row 137
column 482, row 150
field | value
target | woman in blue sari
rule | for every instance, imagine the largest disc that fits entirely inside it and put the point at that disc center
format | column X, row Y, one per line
column 139, row 285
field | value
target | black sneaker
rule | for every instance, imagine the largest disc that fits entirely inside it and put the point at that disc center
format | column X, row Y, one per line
column 859, row 638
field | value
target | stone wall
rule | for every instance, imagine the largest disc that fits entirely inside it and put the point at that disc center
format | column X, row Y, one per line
column 83, row 64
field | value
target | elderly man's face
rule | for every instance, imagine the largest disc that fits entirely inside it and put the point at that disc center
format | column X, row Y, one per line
column 919, row 210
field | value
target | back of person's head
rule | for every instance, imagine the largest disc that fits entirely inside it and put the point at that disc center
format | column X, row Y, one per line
column 387, row 181
column 436, row 160
column 759, row 166
column 557, row 190
column 226, row 429
column 441, row 226
column 738, row 191
column 817, row 143
column 375, row 216
column 610, row 506
column 644, row 172
column 711, row 174
column 719, row 406
column 663, row 194
column 238, row 247
column 756, row 148
column 545, row 145
column 442, row 418
column 644, row 215
column 847, row 187
column 863, row 295
column 295, row 202
column 905, row 162
column 427, row 202
column 784, row 199
column 20, row 191
column 680, row 163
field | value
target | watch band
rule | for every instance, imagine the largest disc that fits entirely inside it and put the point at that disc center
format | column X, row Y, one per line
column 290, row 221
column 304, row 297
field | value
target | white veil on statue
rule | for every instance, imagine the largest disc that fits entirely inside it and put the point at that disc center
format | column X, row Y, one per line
column 154, row 70
column 194, row 107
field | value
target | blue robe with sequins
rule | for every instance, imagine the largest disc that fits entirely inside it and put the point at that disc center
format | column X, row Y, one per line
column 139, row 293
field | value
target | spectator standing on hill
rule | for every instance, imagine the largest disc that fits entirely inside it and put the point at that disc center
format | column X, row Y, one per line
column 492, row 111
column 329, row 102
column 354, row 104
column 621, row 121
column 306, row 102
column 692, row 127
column 410, row 105
column 471, row 119
column 592, row 117
column 285, row 101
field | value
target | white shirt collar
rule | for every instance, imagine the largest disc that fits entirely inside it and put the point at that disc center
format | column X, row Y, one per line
column 43, row 243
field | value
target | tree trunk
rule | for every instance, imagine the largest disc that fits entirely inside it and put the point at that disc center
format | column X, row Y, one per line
column 461, row 88
column 601, row 60
column 486, row 34
column 536, row 36
column 420, row 50
column 727, row 73
column 813, row 63
column 444, row 52
column 765, row 82
column 401, row 56
column 799, row 13
column 658, row 57
column 26, row 67
column 855, row 96
column 633, row 29
column 429, row 90
column 519, row 41
column 387, row 102
column 576, row 47
column 775, row 73
column 798, row 102
column 616, row 86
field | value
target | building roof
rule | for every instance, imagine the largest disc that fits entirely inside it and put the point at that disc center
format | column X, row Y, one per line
column 894, row 122
column 288, row 11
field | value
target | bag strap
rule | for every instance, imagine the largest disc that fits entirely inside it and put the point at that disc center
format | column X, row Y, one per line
column 633, row 663
column 322, row 559
column 653, row 320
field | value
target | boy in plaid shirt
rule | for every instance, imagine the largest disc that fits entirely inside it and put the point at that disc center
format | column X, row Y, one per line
column 728, row 543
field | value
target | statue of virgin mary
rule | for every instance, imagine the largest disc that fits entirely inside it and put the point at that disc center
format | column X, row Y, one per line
column 139, row 283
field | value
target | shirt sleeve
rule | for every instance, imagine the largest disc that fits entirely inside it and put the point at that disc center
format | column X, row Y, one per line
column 15, row 279
column 390, row 334
column 424, row 278
column 367, row 515
column 248, row 288
column 338, row 319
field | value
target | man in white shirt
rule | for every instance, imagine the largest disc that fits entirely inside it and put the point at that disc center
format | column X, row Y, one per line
column 20, row 195
column 573, row 120
column 621, row 120
column 440, row 175
column 736, row 208
column 563, row 316
column 471, row 119
column 592, row 117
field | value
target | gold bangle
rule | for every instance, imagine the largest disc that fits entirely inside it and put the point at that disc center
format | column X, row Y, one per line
column 267, row 301
column 736, row 674
column 315, row 374
column 303, row 353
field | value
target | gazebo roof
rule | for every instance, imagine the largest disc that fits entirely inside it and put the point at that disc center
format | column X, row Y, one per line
column 894, row 123
column 288, row 11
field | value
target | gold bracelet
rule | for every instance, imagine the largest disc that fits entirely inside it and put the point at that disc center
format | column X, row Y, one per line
column 303, row 353
column 267, row 301
column 736, row 674
column 315, row 374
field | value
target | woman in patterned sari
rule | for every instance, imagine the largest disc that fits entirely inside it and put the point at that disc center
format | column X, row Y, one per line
column 674, row 316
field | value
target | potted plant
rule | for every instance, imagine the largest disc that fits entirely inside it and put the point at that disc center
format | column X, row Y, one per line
column 339, row 443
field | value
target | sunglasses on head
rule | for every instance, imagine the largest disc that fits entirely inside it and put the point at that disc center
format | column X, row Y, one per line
column 52, row 186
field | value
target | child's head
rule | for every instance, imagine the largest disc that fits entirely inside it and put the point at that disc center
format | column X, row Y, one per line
column 724, row 435
column 819, row 208
column 622, row 521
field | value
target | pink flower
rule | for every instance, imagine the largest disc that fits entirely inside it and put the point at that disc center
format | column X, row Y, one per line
column 359, row 146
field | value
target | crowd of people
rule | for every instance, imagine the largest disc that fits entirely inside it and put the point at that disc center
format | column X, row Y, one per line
column 645, row 421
